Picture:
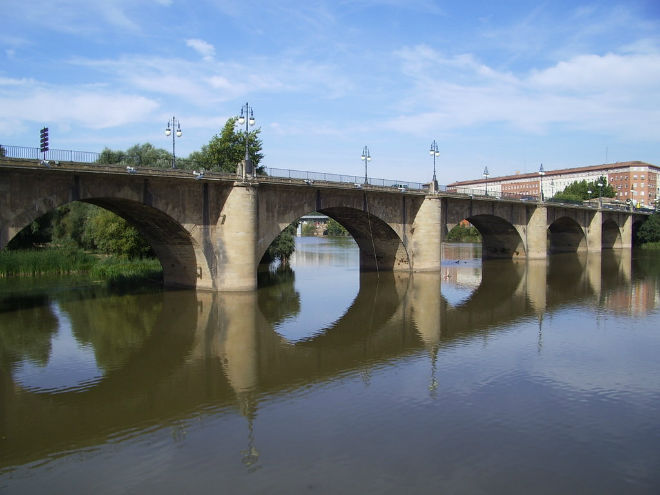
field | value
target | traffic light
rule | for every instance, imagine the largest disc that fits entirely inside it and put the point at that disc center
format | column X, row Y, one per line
column 44, row 140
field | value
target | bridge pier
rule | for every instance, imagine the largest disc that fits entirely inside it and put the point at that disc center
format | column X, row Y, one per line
column 537, row 234
column 236, row 245
column 626, row 232
column 428, row 232
column 595, row 233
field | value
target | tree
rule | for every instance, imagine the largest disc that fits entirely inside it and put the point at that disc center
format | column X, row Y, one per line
column 283, row 246
column 225, row 151
column 109, row 156
column 139, row 155
column 335, row 229
column 579, row 191
column 147, row 155
column 464, row 233
column 112, row 234
column 650, row 230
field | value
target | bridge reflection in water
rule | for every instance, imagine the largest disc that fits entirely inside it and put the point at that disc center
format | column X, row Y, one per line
column 168, row 357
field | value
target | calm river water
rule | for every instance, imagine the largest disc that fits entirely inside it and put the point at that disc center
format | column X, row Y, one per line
column 500, row 377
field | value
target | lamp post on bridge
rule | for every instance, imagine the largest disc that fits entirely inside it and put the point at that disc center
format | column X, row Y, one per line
column 434, row 153
column 248, row 120
column 486, row 174
column 600, row 185
column 177, row 133
column 366, row 157
column 541, row 174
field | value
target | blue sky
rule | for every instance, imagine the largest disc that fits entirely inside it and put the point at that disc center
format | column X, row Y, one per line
column 508, row 85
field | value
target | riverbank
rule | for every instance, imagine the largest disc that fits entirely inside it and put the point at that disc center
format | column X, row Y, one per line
column 114, row 270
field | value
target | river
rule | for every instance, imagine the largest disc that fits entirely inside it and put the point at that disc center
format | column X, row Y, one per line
column 487, row 377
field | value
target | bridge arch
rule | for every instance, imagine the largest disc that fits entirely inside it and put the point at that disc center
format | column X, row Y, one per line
column 377, row 222
column 178, row 253
column 500, row 238
column 565, row 235
column 611, row 234
column 380, row 246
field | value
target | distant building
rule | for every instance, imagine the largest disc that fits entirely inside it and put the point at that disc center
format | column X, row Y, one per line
column 637, row 181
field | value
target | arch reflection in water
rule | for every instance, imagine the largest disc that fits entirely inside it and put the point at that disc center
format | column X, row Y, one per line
column 193, row 351
column 216, row 364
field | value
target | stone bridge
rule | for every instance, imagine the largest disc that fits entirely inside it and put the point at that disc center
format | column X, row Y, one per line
column 211, row 232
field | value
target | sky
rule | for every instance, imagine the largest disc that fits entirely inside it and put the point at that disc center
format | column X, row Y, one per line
column 503, row 85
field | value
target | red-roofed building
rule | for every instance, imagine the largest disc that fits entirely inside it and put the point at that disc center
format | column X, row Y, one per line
column 637, row 181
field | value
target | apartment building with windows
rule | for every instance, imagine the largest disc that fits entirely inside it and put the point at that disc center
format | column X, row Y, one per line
column 636, row 181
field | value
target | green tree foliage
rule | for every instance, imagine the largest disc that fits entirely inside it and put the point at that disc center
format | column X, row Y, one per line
column 579, row 191
column 283, row 246
column 335, row 229
column 82, row 225
column 308, row 228
column 110, row 157
column 226, row 150
column 147, row 155
column 112, row 234
column 650, row 230
column 70, row 223
column 462, row 233
column 139, row 155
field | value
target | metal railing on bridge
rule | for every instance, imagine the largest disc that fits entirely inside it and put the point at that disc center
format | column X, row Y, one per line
column 26, row 153
column 90, row 157
column 343, row 178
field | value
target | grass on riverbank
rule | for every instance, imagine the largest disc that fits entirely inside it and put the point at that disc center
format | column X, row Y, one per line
column 651, row 245
column 122, row 272
column 31, row 262
column 115, row 271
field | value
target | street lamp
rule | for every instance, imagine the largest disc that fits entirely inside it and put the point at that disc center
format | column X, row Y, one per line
column 434, row 153
column 246, row 118
column 541, row 174
column 175, row 134
column 367, row 158
column 486, row 174
column 600, row 185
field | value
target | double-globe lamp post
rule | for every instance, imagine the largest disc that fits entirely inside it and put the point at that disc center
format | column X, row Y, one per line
column 541, row 174
column 434, row 153
column 247, row 117
column 366, row 157
column 486, row 174
column 600, row 185
column 175, row 134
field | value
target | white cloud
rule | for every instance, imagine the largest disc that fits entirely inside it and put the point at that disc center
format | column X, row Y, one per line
column 611, row 72
column 92, row 107
column 617, row 94
column 206, row 50
column 204, row 82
